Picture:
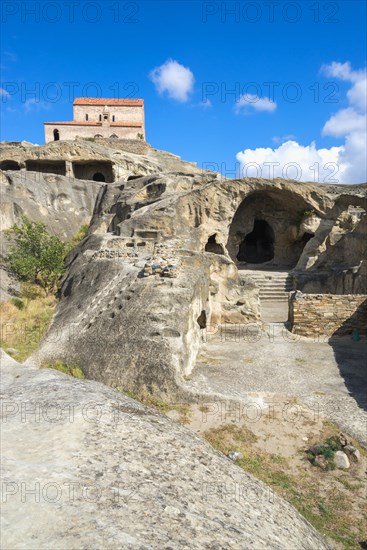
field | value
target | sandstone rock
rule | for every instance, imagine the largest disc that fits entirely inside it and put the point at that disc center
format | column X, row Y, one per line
column 342, row 439
column 352, row 453
column 316, row 449
column 85, row 466
column 320, row 461
column 113, row 315
column 235, row 455
column 341, row 460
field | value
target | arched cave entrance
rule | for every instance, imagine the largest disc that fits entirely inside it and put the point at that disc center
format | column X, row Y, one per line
column 56, row 135
column 99, row 177
column 258, row 246
column 213, row 246
column 264, row 229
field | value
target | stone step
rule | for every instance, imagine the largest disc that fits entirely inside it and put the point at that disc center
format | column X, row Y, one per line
column 274, row 286
column 273, row 295
column 274, row 299
column 276, row 290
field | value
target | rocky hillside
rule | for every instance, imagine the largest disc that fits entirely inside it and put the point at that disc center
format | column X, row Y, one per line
column 91, row 468
column 161, row 264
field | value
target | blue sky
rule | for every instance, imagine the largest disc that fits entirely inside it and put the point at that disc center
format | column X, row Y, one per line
column 175, row 54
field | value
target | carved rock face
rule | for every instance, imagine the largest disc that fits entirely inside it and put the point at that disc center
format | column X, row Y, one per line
column 163, row 247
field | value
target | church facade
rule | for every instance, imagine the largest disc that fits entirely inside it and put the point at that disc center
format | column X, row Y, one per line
column 100, row 118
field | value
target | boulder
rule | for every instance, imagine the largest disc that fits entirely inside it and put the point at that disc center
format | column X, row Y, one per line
column 341, row 460
column 87, row 467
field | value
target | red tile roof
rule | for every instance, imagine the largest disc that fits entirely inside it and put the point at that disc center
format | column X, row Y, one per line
column 107, row 101
column 97, row 124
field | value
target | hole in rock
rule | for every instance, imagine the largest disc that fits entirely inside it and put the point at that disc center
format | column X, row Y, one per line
column 306, row 237
column 213, row 246
column 9, row 165
column 257, row 246
column 99, row 177
column 202, row 319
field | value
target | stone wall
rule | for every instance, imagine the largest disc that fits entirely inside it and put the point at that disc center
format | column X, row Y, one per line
column 71, row 131
column 327, row 314
column 122, row 113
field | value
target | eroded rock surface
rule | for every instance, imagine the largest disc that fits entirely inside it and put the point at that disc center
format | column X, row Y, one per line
column 166, row 256
column 86, row 467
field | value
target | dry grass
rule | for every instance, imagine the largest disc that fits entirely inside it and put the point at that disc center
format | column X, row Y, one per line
column 24, row 322
column 149, row 400
column 333, row 502
column 72, row 370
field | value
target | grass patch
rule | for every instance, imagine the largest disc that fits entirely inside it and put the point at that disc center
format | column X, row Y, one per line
column 24, row 321
column 183, row 409
column 71, row 370
column 329, row 507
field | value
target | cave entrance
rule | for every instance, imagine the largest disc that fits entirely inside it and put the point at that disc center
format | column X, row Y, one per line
column 258, row 246
column 213, row 246
column 99, row 177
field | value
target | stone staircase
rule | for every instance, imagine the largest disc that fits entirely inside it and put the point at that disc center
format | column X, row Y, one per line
column 274, row 285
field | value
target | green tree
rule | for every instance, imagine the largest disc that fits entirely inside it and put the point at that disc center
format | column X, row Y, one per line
column 36, row 256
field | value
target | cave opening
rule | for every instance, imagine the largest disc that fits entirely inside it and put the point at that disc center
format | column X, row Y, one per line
column 306, row 237
column 9, row 165
column 98, row 176
column 258, row 246
column 213, row 246
column 201, row 320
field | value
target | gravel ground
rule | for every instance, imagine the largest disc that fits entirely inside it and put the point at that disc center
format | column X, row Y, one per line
column 330, row 377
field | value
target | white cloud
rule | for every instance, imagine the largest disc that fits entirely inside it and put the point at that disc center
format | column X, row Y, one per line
column 345, row 163
column 282, row 139
column 249, row 102
column 35, row 104
column 173, row 78
column 206, row 103
column 344, row 122
column 291, row 160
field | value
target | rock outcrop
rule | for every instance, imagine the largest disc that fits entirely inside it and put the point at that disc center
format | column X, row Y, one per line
column 163, row 260
column 87, row 467
column 63, row 204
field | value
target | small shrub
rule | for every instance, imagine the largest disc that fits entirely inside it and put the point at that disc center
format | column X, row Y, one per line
column 35, row 256
column 78, row 236
column 327, row 452
column 18, row 303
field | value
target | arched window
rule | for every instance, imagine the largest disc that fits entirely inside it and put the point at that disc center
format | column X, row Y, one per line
column 98, row 136
column 113, row 118
column 114, row 136
column 100, row 118
column 56, row 135
column 86, row 117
